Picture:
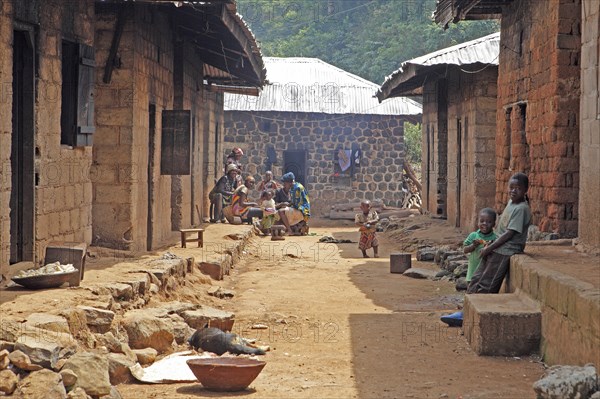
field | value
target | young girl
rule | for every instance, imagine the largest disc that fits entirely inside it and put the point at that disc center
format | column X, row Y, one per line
column 512, row 235
column 267, row 204
column 367, row 222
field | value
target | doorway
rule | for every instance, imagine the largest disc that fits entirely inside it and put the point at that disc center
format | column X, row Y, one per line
column 151, row 152
column 295, row 161
column 22, row 200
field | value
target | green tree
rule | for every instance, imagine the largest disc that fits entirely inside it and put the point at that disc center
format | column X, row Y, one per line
column 369, row 38
column 412, row 142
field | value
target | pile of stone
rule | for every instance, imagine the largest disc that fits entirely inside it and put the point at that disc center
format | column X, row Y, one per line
column 453, row 263
column 42, row 355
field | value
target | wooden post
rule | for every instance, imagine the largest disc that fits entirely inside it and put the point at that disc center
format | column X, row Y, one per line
column 399, row 262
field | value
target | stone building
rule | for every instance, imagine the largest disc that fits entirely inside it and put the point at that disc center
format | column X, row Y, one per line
column 458, row 85
column 323, row 124
column 111, row 118
column 537, row 123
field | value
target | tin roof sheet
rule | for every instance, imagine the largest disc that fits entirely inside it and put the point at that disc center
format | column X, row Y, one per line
column 482, row 51
column 300, row 84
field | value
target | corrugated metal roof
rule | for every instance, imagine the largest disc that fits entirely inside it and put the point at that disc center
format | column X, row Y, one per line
column 310, row 85
column 484, row 51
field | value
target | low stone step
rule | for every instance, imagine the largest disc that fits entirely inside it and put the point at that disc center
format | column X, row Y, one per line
column 502, row 324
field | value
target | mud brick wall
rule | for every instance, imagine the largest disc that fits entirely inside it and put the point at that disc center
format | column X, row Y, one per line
column 589, row 192
column 379, row 137
column 63, row 189
column 122, row 150
column 471, row 145
column 538, row 101
column 5, row 129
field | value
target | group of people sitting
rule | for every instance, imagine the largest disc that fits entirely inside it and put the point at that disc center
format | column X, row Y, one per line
column 285, row 204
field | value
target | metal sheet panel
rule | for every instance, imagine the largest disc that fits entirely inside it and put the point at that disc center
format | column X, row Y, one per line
column 311, row 85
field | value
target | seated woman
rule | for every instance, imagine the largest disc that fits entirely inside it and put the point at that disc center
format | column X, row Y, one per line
column 239, row 205
column 220, row 195
column 293, row 205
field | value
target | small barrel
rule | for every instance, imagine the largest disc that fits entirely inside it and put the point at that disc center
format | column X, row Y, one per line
column 399, row 262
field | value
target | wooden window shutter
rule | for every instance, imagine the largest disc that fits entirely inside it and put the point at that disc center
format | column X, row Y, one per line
column 176, row 149
column 85, row 96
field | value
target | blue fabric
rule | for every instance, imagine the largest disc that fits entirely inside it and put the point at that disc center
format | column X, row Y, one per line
column 289, row 177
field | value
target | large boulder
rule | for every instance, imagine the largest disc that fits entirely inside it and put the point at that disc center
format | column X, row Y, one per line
column 147, row 331
column 92, row 372
column 98, row 320
column 45, row 347
column 8, row 381
column 48, row 322
column 43, row 384
column 118, row 368
column 567, row 382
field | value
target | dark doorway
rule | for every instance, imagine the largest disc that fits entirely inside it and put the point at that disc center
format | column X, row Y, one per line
column 295, row 162
column 458, row 169
column 151, row 151
column 22, row 200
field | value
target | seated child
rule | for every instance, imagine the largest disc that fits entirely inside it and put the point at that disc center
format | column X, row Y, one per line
column 473, row 245
column 267, row 204
column 367, row 222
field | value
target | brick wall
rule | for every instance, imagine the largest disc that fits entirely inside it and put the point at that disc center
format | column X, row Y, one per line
column 380, row 138
column 589, row 192
column 147, row 76
column 538, row 103
column 471, row 165
column 5, row 129
column 62, row 199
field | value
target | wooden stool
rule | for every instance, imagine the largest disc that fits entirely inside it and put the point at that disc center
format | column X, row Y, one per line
column 185, row 239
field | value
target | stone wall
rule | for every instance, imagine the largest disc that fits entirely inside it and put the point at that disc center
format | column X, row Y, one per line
column 63, row 189
column 538, row 102
column 140, row 217
column 589, row 192
column 321, row 136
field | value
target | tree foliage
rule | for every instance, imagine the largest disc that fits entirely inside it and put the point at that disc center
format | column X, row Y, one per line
column 412, row 142
column 369, row 38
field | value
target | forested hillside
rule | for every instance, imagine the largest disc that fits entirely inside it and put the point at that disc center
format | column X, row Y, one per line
column 369, row 38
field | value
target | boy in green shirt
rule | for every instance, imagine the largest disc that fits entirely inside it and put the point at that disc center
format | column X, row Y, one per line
column 477, row 240
column 473, row 245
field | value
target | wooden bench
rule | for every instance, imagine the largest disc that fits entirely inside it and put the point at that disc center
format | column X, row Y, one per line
column 185, row 239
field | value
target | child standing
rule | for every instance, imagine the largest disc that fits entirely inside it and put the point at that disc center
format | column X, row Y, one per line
column 367, row 222
column 473, row 245
column 512, row 235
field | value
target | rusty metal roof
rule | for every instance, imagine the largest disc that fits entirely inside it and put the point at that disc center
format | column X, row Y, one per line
column 221, row 36
column 310, row 85
column 412, row 74
column 447, row 11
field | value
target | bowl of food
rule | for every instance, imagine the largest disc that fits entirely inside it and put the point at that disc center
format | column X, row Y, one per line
column 41, row 281
column 226, row 374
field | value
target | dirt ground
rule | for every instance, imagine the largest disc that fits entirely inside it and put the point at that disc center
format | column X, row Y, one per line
column 340, row 326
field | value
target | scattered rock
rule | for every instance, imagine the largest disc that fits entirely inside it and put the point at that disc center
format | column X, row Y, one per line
column 98, row 320
column 181, row 330
column 45, row 347
column 118, row 368
column 8, row 381
column 426, row 254
column 461, row 284
column 567, row 382
column 259, row 327
column 43, row 384
column 461, row 269
column 78, row 393
column 442, row 273
column 214, row 317
column 9, row 346
column 114, row 394
column 416, row 272
column 48, row 321
column 69, row 377
column 145, row 330
column 145, row 356
column 22, row 361
column 219, row 292
column 214, row 270
column 92, row 372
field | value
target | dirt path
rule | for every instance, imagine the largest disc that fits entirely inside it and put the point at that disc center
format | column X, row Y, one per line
column 340, row 326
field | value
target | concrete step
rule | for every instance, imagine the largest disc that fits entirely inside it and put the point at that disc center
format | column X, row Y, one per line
column 502, row 324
